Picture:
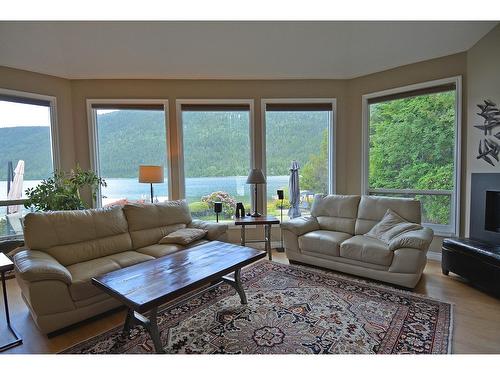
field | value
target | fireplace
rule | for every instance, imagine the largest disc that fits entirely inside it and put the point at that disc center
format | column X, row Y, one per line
column 492, row 214
column 485, row 207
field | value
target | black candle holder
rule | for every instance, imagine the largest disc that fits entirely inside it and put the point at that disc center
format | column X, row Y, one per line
column 240, row 210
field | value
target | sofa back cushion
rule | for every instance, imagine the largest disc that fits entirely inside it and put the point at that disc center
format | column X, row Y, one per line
column 336, row 212
column 77, row 236
column 149, row 223
column 372, row 209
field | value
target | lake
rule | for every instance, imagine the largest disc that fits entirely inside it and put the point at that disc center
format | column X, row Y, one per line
column 195, row 187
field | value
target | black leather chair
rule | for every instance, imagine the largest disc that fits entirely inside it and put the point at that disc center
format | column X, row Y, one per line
column 476, row 261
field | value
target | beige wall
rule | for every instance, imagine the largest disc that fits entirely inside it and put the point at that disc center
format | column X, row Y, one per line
column 449, row 66
column 21, row 80
column 72, row 96
column 444, row 67
column 483, row 72
column 206, row 89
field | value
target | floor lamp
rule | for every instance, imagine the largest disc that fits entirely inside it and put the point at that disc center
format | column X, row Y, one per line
column 281, row 196
column 151, row 174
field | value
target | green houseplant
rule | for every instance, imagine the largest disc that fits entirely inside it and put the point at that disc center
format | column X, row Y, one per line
column 62, row 191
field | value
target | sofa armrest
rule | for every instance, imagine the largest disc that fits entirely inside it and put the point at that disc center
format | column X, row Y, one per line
column 416, row 239
column 214, row 230
column 32, row 265
column 301, row 225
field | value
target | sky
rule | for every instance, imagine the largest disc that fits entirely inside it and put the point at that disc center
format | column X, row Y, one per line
column 17, row 114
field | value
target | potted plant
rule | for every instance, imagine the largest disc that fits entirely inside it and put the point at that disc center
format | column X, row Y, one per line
column 62, row 191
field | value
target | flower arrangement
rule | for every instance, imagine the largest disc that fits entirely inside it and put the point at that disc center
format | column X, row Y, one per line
column 228, row 203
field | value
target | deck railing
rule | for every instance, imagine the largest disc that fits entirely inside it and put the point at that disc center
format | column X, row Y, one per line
column 11, row 224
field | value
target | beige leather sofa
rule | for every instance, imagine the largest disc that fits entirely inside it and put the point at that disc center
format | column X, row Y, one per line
column 65, row 249
column 334, row 237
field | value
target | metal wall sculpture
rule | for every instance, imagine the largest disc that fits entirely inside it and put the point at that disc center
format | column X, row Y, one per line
column 489, row 148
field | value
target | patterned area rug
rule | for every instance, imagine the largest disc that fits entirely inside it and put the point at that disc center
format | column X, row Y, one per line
column 293, row 309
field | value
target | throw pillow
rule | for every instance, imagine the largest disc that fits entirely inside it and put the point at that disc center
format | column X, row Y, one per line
column 183, row 236
column 390, row 226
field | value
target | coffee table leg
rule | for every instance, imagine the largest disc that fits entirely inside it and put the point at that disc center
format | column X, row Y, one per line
column 236, row 284
column 129, row 321
column 267, row 235
column 151, row 325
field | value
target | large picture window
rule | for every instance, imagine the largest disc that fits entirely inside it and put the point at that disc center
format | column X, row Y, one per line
column 412, row 149
column 26, row 152
column 127, row 135
column 301, row 131
column 216, row 155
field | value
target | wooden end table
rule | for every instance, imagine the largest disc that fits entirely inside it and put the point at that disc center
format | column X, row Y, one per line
column 267, row 221
column 7, row 265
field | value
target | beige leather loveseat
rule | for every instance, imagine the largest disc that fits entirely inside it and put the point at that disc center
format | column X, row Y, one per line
column 65, row 249
column 334, row 237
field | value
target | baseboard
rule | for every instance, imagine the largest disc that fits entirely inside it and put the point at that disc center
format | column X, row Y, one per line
column 434, row 256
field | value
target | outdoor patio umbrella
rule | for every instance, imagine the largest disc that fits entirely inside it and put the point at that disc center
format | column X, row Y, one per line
column 16, row 188
column 293, row 185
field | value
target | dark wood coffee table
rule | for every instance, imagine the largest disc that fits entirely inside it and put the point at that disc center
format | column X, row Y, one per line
column 145, row 286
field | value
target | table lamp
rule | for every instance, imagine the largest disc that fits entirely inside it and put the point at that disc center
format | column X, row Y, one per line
column 151, row 174
column 255, row 177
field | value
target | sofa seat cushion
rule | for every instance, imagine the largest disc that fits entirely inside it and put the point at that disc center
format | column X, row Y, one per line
column 81, row 273
column 366, row 249
column 129, row 258
column 323, row 241
column 158, row 251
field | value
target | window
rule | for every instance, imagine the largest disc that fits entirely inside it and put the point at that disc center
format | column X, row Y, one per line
column 413, row 135
column 26, row 157
column 216, row 155
column 301, row 131
column 128, row 134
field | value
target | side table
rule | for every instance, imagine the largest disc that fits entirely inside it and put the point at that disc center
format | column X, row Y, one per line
column 7, row 265
column 267, row 221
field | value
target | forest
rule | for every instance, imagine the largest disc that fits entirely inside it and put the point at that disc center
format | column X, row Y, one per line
column 412, row 147
column 133, row 137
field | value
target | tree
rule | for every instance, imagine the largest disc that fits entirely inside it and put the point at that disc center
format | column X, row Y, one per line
column 314, row 174
column 411, row 147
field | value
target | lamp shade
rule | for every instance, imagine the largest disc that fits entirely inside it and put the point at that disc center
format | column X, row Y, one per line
column 151, row 174
column 256, row 177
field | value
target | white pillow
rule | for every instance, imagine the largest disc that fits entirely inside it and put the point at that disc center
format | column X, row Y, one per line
column 390, row 226
column 183, row 236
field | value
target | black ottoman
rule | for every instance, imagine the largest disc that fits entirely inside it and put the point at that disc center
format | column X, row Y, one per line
column 476, row 261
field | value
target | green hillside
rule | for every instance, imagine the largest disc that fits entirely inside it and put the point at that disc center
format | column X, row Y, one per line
column 29, row 143
column 130, row 138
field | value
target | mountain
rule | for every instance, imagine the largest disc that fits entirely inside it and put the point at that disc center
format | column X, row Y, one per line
column 215, row 143
column 29, row 143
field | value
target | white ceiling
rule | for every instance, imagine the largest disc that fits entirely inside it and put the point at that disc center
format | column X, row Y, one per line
column 244, row 50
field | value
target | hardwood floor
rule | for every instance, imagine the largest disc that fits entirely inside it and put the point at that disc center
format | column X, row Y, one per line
column 476, row 326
